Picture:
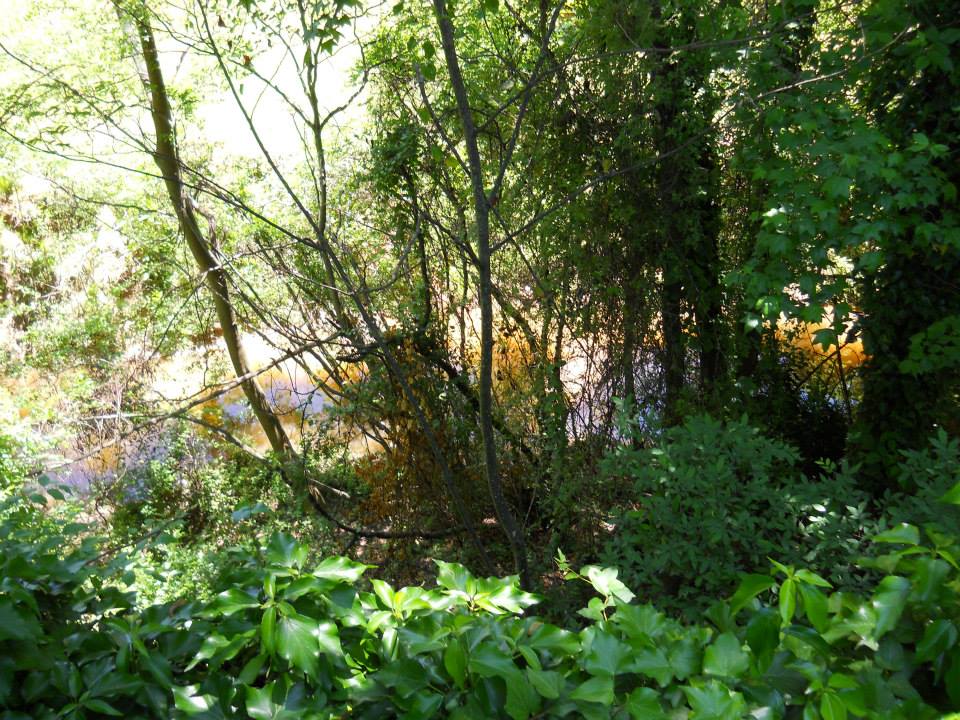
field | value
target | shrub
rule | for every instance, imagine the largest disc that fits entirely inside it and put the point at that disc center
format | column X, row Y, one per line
column 930, row 473
column 714, row 500
column 289, row 638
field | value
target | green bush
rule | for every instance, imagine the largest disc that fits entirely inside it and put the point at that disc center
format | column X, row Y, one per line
column 287, row 637
column 714, row 500
column 930, row 472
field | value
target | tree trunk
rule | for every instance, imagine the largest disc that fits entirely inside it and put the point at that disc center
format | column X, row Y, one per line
column 481, row 206
column 208, row 260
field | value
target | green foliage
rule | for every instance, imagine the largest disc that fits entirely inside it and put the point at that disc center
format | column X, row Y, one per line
column 936, row 348
column 712, row 500
column 287, row 636
column 931, row 472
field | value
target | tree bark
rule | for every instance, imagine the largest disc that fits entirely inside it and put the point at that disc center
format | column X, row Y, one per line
column 208, row 260
column 481, row 205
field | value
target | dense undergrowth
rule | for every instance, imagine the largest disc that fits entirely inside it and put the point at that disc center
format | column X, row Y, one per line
column 289, row 634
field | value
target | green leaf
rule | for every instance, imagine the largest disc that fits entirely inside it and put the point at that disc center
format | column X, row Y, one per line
column 246, row 511
column 763, row 636
column 653, row 663
column 714, row 701
column 268, row 630
column 640, row 622
column 837, row 187
column 490, row 661
column 340, row 568
column 296, row 641
column 951, row 678
column 597, row 690
column 815, row 606
column 454, row 576
column 188, row 702
column 750, row 586
column 889, row 601
column 725, row 657
column 904, row 534
column 386, row 593
column 554, row 639
column 606, row 654
column 546, row 682
column 328, row 638
column 644, row 704
column 811, row 578
column 283, row 550
column 522, row 698
column 262, row 706
column 605, row 582
column 788, row 600
column 233, row 600
column 15, row 624
column 455, row 661
column 222, row 648
column 952, row 496
column 938, row 637
column 684, row 657
column 102, row 707
column 929, row 578
column 832, row 707
column 251, row 671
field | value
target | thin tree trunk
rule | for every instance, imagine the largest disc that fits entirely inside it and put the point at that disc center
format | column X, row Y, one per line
column 209, row 262
column 482, row 217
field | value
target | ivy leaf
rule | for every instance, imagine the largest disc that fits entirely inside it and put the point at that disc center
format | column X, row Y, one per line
column 653, row 663
column 644, row 704
column 296, row 642
column 832, row 707
column 454, row 576
column 597, row 690
column 15, row 625
column 554, row 639
column 233, row 600
column 725, row 657
column 491, row 661
column 714, row 701
column 546, row 682
column 929, row 578
column 606, row 654
column 328, row 639
column 283, row 550
column 811, row 578
column 684, row 658
column 191, row 704
column 261, row 706
column 340, row 568
column 220, row 647
column 605, row 582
